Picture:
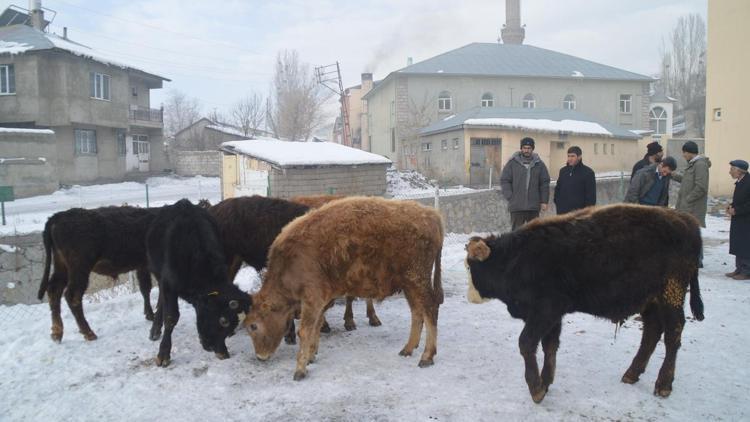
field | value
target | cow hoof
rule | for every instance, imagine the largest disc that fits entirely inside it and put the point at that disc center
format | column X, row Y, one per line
column 629, row 379
column 325, row 328
column 425, row 363
column 149, row 316
column 375, row 322
column 222, row 355
column 350, row 325
column 90, row 336
column 662, row 392
column 290, row 340
column 162, row 362
column 56, row 337
column 538, row 396
column 404, row 352
column 155, row 336
column 299, row 375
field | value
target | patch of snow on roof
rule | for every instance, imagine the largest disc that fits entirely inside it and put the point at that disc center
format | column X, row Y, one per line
column 13, row 47
column 21, row 130
column 449, row 117
column 642, row 132
column 572, row 126
column 226, row 129
column 577, row 74
column 286, row 154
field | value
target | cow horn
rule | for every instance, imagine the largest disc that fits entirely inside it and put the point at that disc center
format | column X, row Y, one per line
column 234, row 305
column 224, row 322
column 477, row 250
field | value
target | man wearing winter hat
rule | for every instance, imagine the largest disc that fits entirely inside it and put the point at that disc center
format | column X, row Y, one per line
column 650, row 186
column 525, row 184
column 739, row 231
column 654, row 153
column 693, row 195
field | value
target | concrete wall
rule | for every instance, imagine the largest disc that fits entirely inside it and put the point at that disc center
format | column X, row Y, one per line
column 194, row 163
column 36, row 173
column 727, row 90
column 369, row 180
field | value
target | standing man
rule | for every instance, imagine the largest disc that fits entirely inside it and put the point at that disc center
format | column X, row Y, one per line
column 576, row 184
column 739, row 231
column 654, row 153
column 650, row 186
column 693, row 195
column 525, row 184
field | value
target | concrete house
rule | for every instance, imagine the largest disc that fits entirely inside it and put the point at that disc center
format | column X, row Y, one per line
column 98, row 107
column 508, row 75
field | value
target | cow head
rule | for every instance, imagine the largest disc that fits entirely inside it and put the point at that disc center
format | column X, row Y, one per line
column 478, row 252
column 217, row 313
column 267, row 323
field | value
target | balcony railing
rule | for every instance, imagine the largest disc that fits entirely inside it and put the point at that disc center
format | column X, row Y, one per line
column 146, row 114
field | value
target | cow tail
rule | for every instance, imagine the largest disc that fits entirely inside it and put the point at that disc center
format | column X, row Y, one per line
column 437, row 284
column 696, row 303
column 47, row 240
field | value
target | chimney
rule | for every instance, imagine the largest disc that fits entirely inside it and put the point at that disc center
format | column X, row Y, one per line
column 37, row 15
column 409, row 61
column 65, row 32
column 512, row 32
column 366, row 83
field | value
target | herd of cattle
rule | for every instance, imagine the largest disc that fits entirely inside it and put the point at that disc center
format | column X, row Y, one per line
column 611, row 262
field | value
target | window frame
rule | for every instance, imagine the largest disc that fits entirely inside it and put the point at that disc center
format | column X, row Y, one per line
column 661, row 118
column 9, row 79
column 529, row 101
column 488, row 100
column 85, row 145
column 445, row 102
column 455, row 143
column 98, row 89
column 426, row 146
column 626, row 103
column 121, row 140
column 569, row 102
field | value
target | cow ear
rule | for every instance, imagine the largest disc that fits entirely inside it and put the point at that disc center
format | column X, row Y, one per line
column 477, row 250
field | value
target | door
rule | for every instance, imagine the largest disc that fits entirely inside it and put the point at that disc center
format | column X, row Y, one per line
column 485, row 161
column 558, row 157
column 142, row 152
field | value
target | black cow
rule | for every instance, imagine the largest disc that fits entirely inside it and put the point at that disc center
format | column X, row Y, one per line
column 187, row 258
column 611, row 262
column 109, row 241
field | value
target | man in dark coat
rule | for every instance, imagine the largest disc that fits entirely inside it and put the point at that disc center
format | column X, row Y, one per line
column 654, row 153
column 525, row 184
column 739, row 231
column 576, row 184
column 650, row 186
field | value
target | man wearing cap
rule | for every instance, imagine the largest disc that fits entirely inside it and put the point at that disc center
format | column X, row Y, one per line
column 650, row 186
column 576, row 184
column 693, row 195
column 525, row 184
column 739, row 231
column 654, row 153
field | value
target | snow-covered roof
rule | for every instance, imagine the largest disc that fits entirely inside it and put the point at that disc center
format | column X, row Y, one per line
column 22, row 130
column 531, row 119
column 231, row 130
column 292, row 154
column 19, row 39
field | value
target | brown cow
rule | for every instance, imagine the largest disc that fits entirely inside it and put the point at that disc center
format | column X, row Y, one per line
column 364, row 247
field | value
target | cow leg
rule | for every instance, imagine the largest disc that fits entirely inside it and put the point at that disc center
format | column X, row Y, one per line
column 528, row 341
column 550, row 344
column 417, row 320
column 309, row 334
column 234, row 267
column 324, row 327
column 54, row 294
column 349, row 323
column 144, row 284
column 371, row 315
column 652, row 330
column 171, row 316
column 77, row 285
column 673, row 319
column 291, row 334
column 158, row 321
column 430, row 346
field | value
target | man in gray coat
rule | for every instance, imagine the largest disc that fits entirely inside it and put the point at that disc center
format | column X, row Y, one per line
column 650, row 186
column 525, row 184
column 693, row 194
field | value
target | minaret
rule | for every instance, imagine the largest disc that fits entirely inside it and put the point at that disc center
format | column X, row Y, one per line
column 512, row 32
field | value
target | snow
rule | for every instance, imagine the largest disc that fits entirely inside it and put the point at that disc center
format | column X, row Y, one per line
column 572, row 126
column 13, row 47
column 287, row 154
column 4, row 160
column 21, row 130
column 8, row 248
column 226, row 129
column 412, row 185
column 642, row 132
column 28, row 215
column 577, row 74
column 478, row 372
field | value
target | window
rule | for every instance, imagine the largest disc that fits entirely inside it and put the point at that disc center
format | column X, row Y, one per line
column 596, row 148
column 625, row 103
column 140, row 144
column 99, row 85
column 121, row 142
column 392, row 115
column 427, row 161
column 604, row 149
column 7, row 79
column 444, row 101
column 393, row 139
column 560, row 145
column 612, row 149
column 717, row 114
column 529, row 101
column 485, row 141
column 135, row 91
column 658, row 118
column 488, row 100
column 427, row 146
column 85, row 142
column 569, row 102
column 444, row 144
column 455, row 143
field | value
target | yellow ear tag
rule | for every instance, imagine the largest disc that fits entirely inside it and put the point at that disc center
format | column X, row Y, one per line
column 213, row 294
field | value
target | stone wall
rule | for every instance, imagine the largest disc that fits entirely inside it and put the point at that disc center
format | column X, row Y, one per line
column 28, row 162
column 369, row 180
column 198, row 163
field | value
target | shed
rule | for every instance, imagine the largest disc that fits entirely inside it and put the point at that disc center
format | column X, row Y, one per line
column 270, row 167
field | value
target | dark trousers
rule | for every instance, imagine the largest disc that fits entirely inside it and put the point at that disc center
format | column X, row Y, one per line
column 743, row 265
column 519, row 218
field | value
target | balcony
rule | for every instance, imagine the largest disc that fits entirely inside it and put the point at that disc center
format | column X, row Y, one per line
column 146, row 117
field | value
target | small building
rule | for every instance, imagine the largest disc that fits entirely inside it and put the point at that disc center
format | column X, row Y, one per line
column 282, row 169
column 470, row 148
column 28, row 161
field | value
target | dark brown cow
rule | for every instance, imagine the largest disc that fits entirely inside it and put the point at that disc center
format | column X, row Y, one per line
column 364, row 247
column 611, row 262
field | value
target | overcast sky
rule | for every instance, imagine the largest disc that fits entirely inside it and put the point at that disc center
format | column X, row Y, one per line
column 219, row 50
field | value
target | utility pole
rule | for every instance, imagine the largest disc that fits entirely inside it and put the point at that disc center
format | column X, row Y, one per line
column 330, row 77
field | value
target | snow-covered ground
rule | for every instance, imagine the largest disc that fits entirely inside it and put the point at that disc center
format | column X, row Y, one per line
column 410, row 184
column 29, row 214
column 478, row 371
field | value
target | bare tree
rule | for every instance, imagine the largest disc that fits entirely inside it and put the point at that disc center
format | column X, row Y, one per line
column 217, row 117
column 180, row 111
column 683, row 67
column 296, row 99
column 248, row 114
column 419, row 115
